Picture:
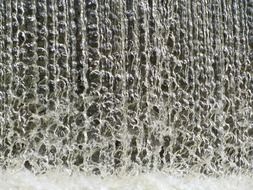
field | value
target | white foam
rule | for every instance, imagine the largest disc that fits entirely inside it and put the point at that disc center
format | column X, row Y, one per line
column 24, row 180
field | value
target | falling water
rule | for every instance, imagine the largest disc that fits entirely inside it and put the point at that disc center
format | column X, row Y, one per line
column 124, row 87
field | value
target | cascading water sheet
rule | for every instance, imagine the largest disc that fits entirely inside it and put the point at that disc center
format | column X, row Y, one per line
column 124, row 87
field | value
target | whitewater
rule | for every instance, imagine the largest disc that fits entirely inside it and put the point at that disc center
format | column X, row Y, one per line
column 24, row 180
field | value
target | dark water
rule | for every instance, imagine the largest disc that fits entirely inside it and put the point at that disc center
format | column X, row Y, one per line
column 118, row 86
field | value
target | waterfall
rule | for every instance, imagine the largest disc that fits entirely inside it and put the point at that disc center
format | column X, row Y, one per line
column 115, row 87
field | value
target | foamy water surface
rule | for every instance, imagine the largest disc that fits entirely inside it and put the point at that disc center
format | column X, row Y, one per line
column 24, row 180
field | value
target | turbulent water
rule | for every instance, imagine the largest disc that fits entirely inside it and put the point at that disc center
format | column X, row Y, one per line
column 124, row 87
column 154, row 181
